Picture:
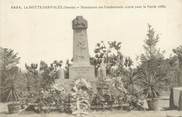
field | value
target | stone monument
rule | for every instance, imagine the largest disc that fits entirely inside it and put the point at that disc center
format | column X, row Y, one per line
column 81, row 67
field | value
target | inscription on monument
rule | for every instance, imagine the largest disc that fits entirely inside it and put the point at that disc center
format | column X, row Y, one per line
column 86, row 72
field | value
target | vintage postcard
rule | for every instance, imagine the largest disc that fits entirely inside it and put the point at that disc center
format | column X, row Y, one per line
column 91, row 58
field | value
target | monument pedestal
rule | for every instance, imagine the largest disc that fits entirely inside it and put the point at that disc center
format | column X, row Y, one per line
column 86, row 72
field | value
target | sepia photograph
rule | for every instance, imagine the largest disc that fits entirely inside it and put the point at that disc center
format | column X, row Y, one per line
column 85, row 58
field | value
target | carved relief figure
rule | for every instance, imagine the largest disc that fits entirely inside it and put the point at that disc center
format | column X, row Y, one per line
column 81, row 41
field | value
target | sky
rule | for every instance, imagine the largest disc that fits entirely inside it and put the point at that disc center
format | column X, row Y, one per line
column 46, row 34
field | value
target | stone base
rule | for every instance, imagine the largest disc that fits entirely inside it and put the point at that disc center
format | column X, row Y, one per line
column 177, row 94
column 86, row 72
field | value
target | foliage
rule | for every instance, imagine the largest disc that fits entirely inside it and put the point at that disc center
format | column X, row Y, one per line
column 151, row 72
column 151, row 83
column 119, row 68
column 32, row 69
column 9, row 68
column 178, row 52
column 9, row 89
column 176, row 62
column 33, row 80
column 10, row 60
column 45, row 76
column 151, row 52
column 135, row 102
column 113, row 58
column 50, row 98
column 131, row 81
column 39, row 77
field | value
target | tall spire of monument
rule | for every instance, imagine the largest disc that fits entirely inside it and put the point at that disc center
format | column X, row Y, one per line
column 80, row 41
column 81, row 67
